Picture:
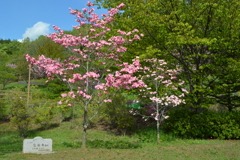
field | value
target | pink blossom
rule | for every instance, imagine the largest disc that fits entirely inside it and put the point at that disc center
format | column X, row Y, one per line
column 136, row 37
column 64, row 95
column 121, row 32
column 129, row 33
column 92, row 30
column 107, row 100
column 101, row 86
column 71, row 80
column 91, row 74
column 184, row 90
column 104, row 15
column 174, row 88
column 85, row 9
column 120, row 6
column 72, row 11
column 76, row 27
column 181, row 83
column 77, row 77
column 71, row 94
column 30, row 59
column 135, row 30
column 156, row 117
column 88, row 96
column 112, row 11
column 89, row 4
column 56, row 28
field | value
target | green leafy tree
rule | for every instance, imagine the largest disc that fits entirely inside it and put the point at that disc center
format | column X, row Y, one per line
column 7, row 71
column 45, row 46
column 192, row 35
column 7, row 75
column 227, row 84
column 10, row 48
column 22, row 68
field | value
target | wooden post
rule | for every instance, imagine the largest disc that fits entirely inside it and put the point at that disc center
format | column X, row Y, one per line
column 29, row 83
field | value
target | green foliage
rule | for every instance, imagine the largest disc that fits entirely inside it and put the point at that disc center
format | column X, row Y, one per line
column 71, row 112
column 119, row 144
column 197, row 36
column 117, row 115
column 149, row 135
column 57, row 86
column 44, row 114
column 4, row 111
column 207, row 125
column 9, row 47
column 45, row 46
column 227, row 85
column 21, row 115
column 44, row 109
column 9, row 52
column 7, row 75
column 22, row 68
column 38, row 111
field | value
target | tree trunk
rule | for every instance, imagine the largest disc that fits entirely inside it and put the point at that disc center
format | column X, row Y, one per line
column 85, row 126
column 158, row 131
column 158, row 123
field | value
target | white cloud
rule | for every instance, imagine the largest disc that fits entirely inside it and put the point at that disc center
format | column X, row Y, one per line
column 40, row 28
column 20, row 40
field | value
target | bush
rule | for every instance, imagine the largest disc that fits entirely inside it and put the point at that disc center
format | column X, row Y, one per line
column 208, row 124
column 22, row 115
column 149, row 135
column 117, row 115
column 44, row 113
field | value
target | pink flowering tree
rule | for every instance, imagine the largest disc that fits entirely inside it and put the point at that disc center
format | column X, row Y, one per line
column 164, row 90
column 88, row 71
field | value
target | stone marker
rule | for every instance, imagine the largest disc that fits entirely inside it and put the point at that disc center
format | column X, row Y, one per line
column 37, row 145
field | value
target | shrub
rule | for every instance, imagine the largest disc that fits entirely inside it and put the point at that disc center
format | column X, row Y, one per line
column 23, row 115
column 117, row 115
column 43, row 114
column 208, row 124
column 44, row 109
column 149, row 135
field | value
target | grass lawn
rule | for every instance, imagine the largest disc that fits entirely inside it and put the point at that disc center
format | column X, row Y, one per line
column 11, row 146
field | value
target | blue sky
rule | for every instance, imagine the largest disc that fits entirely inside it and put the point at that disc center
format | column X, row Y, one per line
column 30, row 18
